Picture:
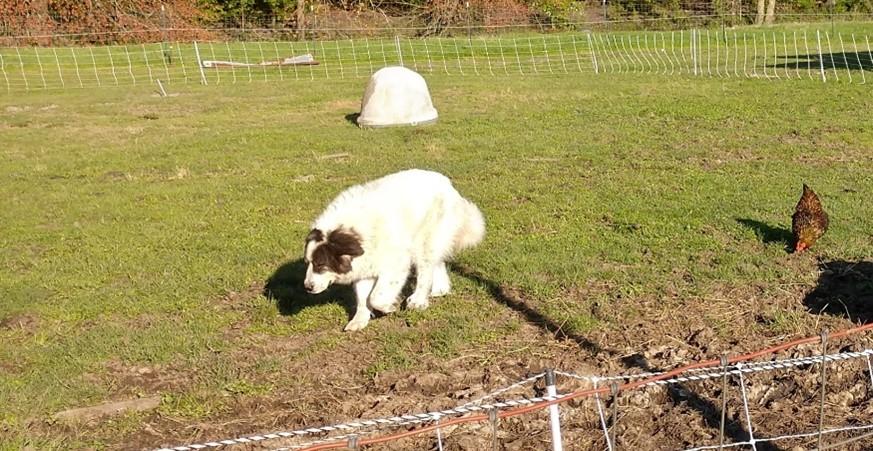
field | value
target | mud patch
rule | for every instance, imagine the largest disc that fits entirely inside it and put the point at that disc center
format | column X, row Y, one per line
column 126, row 379
column 343, row 105
column 85, row 414
column 26, row 322
column 237, row 300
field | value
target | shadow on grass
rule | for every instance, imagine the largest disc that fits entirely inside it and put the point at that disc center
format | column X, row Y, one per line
column 844, row 289
column 514, row 301
column 285, row 287
column 679, row 394
column 769, row 234
column 828, row 61
column 353, row 118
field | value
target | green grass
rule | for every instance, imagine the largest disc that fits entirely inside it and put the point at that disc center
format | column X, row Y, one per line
column 128, row 218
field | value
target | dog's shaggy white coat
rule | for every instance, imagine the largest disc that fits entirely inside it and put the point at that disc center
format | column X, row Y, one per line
column 409, row 218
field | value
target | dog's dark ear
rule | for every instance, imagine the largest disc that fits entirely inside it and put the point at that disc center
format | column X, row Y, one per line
column 314, row 234
column 345, row 264
column 346, row 243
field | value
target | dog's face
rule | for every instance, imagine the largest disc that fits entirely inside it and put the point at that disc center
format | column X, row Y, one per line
column 329, row 257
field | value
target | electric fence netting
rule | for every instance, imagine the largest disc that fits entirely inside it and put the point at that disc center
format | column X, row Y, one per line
column 843, row 54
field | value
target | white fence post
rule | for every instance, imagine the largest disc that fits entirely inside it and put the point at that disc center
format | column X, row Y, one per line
column 399, row 51
column 24, row 74
column 820, row 56
column 200, row 64
column 5, row 76
column 693, row 52
column 590, row 48
column 554, row 417
column 112, row 64
column 145, row 56
column 94, row 64
column 39, row 64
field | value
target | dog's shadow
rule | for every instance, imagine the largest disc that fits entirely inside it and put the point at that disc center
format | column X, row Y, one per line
column 285, row 288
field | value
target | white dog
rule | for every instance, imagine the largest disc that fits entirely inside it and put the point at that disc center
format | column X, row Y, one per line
column 371, row 235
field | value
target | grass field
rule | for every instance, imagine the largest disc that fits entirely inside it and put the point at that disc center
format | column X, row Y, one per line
column 139, row 232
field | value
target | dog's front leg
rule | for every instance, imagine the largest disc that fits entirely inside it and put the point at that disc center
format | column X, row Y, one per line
column 362, row 313
column 423, row 284
column 388, row 288
column 442, row 285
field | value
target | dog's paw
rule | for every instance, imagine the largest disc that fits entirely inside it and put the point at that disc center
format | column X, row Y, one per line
column 416, row 302
column 437, row 289
column 356, row 324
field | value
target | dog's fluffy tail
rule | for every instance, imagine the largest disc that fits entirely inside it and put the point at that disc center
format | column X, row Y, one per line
column 472, row 228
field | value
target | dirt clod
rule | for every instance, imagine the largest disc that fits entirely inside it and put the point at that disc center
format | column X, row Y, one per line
column 23, row 321
column 84, row 414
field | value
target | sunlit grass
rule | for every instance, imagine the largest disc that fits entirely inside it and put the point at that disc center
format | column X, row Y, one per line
column 128, row 218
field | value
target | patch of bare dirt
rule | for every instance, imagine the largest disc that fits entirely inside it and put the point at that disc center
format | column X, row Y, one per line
column 85, row 414
column 27, row 322
column 343, row 105
column 236, row 300
column 635, row 335
column 125, row 379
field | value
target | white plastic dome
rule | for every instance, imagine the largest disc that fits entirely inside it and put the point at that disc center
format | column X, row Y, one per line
column 396, row 96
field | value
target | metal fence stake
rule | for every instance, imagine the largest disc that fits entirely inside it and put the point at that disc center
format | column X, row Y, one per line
column 824, row 346
column 439, row 436
column 724, row 377
column 492, row 416
column 613, row 388
column 200, row 64
column 161, row 87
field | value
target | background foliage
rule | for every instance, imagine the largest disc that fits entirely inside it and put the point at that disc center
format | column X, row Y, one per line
column 51, row 17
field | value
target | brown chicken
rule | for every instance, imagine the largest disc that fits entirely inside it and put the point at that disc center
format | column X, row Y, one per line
column 809, row 221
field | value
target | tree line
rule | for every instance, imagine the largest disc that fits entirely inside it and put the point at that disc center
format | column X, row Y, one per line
column 35, row 17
